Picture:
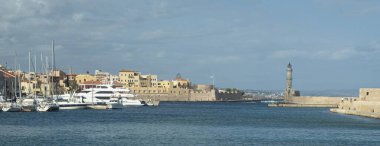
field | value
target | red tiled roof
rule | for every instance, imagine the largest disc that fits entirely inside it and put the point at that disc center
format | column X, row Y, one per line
column 7, row 74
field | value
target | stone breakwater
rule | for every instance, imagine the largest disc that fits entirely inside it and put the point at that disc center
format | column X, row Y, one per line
column 368, row 104
column 190, row 95
column 302, row 105
column 359, row 108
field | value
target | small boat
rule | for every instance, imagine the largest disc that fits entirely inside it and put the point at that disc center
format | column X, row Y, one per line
column 131, row 102
column 47, row 105
column 115, row 103
column 68, row 102
column 28, row 105
column 152, row 102
column 11, row 107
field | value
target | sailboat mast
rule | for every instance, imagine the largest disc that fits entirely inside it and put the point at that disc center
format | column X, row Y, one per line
column 47, row 85
column 19, row 82
column 52, row 69
column 29, row 77
column 35, row 73
column 53, row 55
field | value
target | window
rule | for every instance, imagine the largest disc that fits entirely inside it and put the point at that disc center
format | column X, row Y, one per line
column 105, row 92
column 367, row 93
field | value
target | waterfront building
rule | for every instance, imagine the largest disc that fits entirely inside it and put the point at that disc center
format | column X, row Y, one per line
column 102, row 76
column 81, row 78
column 114, row 78
column 8, row 83
column 129, row 78
column 89, row 84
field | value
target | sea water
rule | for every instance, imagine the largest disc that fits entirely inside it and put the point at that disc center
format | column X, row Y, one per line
column 181, row 123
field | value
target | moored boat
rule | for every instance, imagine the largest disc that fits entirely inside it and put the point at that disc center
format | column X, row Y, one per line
column 47, row 105
column 115, row 103
column 132, row 102
column 11, row 107
column 28, row 105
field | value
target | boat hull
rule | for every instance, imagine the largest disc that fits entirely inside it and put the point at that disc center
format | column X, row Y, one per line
column 72, row 106
column 115, row 106
column 11, row 107
column 98, row 107
column 30, row 108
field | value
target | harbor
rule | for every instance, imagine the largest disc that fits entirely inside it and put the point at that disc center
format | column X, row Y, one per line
column 190, row 123
column 189, row 73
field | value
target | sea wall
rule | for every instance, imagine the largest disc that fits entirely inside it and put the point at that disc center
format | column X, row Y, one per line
column 229, row 96
column 320, row 100
column 360, row 108
column 368, row 104
column 203, row 95
column 163, row 97
column 193, row 95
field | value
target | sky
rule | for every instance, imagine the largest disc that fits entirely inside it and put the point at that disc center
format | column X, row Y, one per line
column 246, row 44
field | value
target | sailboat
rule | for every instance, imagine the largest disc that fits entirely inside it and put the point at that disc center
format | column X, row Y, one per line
column 28, row 103
column 48, row 103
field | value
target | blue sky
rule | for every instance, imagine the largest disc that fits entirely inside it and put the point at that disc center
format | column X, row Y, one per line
column 332, row 44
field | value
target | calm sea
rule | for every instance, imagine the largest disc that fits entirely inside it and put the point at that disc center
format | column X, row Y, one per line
column 189, row 124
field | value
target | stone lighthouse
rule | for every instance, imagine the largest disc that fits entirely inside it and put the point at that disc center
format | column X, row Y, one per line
column 289, row 79
column 289, row 92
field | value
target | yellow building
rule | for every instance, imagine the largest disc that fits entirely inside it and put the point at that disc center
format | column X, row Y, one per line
column 81, row 78
column 164, row 84
column 129, row 78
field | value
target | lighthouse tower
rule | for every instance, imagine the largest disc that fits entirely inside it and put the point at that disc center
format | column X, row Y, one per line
column 289, row 79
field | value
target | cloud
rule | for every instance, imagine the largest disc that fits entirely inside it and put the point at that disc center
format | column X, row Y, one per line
column 77, row 17
column 330, row 54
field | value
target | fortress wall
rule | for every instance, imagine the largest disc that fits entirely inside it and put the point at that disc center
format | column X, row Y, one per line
column 203, row 95
column 190, row 96
column 163, row 97
column 369, row 94
column 233, row 96
column 314, row 100
column 193, row 95
column 357, row 107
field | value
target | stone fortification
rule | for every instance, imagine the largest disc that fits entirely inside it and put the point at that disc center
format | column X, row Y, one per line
column 320, row 100
column 229, row 96
column 368, row 104
column 193, row 95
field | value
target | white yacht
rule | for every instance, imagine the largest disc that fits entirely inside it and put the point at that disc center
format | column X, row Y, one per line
column 102, row 94
column 69, row 101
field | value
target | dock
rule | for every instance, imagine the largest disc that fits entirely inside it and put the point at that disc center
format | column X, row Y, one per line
column 302, row 105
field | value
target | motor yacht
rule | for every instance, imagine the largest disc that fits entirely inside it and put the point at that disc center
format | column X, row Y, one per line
column 102, row 94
